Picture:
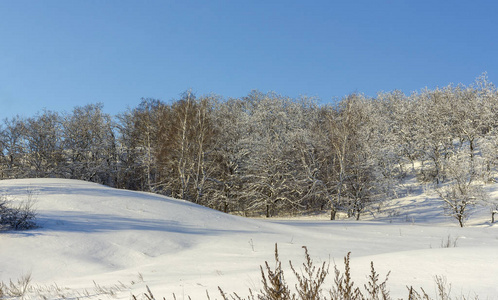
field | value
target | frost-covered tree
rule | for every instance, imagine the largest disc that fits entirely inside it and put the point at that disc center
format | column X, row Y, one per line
column 487, row 143
column 492, row 204
column 461, row 192
column 89, row 144
column 435, row 131
column 268, row 172
column 393, row 137
column 488, row 148
column 311, row 155
column 351, row 136
column 269, row 154
column 279, row 170
column 229, row 156
column 43, row 134
column 382, row 143
column 13, row 147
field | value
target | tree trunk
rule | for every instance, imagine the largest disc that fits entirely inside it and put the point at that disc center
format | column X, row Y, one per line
column 332, row 213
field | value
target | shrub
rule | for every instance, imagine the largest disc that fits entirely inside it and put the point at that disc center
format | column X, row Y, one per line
column 311, row 280
column 311, row 285
column 19, row 217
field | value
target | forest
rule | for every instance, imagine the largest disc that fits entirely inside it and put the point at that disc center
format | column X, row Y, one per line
column 266, row 154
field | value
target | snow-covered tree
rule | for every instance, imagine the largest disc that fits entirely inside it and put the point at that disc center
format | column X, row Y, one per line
column 461, row 192
column 311, row 155
column 435, row 131
column 13, row 147
column 43, row 134
column 229, row 156
column 89, row 144
column 351, row 135
column 269, row 154
column 268, row 171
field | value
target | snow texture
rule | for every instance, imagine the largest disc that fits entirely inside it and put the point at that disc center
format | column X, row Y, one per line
column 91, row 234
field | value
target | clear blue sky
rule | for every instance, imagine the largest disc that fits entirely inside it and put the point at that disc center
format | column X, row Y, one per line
column 57, row 54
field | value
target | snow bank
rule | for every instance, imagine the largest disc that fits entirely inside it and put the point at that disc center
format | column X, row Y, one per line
column 94, row 233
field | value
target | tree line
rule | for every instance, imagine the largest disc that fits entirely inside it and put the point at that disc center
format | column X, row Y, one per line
column 266, row 154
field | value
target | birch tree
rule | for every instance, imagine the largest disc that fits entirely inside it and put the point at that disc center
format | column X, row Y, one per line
column 185, row 146
column 140, row 136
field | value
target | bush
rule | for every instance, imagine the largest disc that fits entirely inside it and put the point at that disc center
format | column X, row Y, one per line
column 20, row 217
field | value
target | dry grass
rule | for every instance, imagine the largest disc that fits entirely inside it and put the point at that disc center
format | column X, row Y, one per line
column 311, row 284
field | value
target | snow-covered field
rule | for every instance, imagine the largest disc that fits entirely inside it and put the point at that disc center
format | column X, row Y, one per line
column 96, row 239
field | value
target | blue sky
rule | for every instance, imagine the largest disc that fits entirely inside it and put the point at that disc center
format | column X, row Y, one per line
column 61, row 54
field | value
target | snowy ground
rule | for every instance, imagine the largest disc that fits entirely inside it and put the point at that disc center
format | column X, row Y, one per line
column 95, row 239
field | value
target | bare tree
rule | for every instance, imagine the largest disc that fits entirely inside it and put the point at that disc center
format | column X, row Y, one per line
column 141, row 131
column 185, row 146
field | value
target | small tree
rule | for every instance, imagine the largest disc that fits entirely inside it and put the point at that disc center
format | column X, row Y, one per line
column 457, row 199
column 461, row 192
column 492, row 203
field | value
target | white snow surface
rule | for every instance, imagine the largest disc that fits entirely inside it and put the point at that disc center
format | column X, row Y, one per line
column 93, row 236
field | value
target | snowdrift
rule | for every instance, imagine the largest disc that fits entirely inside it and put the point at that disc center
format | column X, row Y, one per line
column 91, row 235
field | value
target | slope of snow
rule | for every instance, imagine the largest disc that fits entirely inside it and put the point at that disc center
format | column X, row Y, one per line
column 124, row 240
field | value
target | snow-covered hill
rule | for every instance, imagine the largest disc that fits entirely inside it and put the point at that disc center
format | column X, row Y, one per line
column 97, row 238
